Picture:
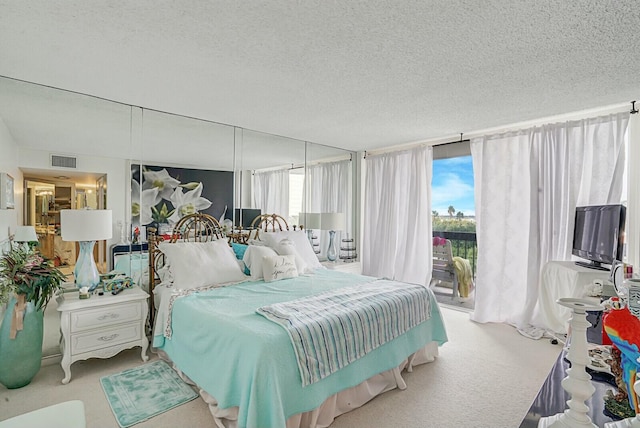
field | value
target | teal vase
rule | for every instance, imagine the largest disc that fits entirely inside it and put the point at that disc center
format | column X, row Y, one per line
column 20, row 358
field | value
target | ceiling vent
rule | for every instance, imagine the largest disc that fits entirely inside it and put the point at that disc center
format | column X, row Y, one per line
column 63, row 161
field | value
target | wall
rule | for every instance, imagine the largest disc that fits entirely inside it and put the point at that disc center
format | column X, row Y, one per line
column 9, row 219
column 117, row 171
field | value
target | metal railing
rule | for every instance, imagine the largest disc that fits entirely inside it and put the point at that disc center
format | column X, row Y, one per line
column 463, row 244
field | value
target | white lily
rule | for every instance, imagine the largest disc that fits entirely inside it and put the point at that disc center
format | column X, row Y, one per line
column 160, row 180
column 187, row 203
column 141, row 203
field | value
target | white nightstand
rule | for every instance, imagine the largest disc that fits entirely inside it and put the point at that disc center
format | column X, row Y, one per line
column 101, row 326
column 351, row 267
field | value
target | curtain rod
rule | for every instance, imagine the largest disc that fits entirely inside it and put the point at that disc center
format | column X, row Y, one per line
column 447, row 143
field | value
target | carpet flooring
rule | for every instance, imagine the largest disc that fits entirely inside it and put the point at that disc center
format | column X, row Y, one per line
column 487, row 375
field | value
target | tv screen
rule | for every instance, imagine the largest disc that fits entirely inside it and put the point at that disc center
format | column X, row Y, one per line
column 598, row 234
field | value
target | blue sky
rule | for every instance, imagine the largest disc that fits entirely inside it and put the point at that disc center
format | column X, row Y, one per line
column 452, row 184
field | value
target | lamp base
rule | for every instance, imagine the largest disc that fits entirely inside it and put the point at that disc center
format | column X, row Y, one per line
column 86, row 272
column 332, row 253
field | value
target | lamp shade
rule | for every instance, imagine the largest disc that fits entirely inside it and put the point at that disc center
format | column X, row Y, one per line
column 25, row 234
column 332, row 221
column 309, row 220
column 86, row 225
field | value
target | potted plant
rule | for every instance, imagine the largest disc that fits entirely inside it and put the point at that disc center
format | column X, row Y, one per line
column 27, row 282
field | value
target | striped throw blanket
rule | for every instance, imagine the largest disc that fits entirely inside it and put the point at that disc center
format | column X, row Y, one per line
column 335, row 328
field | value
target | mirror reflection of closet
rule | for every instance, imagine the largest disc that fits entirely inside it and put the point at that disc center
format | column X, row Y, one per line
column 39, row 212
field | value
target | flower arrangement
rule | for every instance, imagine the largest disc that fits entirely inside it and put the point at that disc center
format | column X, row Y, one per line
column 27, row 274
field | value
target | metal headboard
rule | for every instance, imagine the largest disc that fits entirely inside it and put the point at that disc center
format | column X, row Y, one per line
column 197, row 227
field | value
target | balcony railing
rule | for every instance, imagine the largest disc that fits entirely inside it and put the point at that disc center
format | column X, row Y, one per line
column 463, row 244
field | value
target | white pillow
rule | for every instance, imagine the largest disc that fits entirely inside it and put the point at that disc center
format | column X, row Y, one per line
column 299, row 238
column 165, row 274
column 253, row 260
column 198, row 264
column 279, row 267
column 286, row 247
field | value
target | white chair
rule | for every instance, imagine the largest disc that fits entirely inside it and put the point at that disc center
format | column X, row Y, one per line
column 443, row 269
column 69, row 414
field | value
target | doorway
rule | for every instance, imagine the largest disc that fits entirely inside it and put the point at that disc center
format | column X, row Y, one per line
column 46, row 194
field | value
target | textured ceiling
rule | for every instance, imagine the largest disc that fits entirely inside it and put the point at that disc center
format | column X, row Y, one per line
column 351, row 74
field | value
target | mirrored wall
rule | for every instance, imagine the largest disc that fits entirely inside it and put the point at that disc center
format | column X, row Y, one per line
column 151, row 168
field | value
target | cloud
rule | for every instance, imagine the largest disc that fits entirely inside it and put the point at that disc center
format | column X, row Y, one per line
column 451, row 189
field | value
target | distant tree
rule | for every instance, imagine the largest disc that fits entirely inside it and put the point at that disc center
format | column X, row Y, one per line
column 434, row 213
column 451, row 210
column 460, row 215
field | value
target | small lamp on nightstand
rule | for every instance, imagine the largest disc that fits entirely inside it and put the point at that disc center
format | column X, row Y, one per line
column 25, row 235
column 332, row 222
column 86, row 227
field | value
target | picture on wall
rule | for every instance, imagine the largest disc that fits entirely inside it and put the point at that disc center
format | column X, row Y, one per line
column 161, row 196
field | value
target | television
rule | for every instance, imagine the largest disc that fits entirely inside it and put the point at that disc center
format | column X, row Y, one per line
column 598, row 235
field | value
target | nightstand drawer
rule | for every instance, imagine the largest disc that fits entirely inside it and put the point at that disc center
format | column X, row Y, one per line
column 104, row 338
column 105, row 316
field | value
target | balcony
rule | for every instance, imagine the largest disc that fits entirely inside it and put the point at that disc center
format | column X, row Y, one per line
column 465, row 245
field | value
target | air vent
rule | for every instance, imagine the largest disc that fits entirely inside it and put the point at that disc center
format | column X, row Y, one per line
column 63, row 161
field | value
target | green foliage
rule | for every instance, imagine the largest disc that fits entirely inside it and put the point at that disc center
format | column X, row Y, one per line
column 444, row 224
column 24, row 271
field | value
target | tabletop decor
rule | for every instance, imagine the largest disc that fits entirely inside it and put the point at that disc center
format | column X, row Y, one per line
column 332, row 222
column 28, row 282
column 86, row 227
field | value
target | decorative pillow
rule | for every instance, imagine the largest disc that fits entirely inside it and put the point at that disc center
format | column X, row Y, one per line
column 279, row 267
column 302, row 244
column 286, row 247
column 239, row 250
column 253, row 260
column 165, row 275
column 198, row 264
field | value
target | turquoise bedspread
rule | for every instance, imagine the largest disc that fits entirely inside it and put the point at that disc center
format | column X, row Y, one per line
column 244, row 360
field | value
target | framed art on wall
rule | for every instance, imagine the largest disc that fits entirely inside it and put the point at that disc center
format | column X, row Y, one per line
column 7, row 199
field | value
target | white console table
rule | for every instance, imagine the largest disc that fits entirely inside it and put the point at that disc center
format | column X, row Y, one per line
column 562, row 279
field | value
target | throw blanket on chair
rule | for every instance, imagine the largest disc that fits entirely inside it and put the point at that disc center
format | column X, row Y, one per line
column 333, row 329
column 464, row 274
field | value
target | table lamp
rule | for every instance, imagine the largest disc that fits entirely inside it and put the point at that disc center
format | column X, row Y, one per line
column 25, row 234
column 332, row 222
column 86, row 227
column 310, row 221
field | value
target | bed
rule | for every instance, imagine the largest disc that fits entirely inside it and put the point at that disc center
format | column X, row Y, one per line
column 215, row 327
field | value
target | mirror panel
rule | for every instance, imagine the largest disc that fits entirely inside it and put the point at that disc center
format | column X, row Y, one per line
column 115, row 144
column 329, row 191
column 269, row 170
column 64, row 122
column 93, row 138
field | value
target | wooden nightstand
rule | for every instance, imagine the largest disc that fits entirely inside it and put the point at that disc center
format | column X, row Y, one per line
column 101, row 326
column 351, row 267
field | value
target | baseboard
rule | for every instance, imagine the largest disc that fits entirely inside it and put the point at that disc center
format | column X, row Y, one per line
column 50, row 360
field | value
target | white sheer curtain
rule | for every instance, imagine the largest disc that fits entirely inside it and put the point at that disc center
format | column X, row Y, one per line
column 528, row 184
column 397, row 240
column 271, row 192
column 327, row 190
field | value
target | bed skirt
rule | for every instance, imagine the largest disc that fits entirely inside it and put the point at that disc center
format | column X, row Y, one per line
column 334, row 406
